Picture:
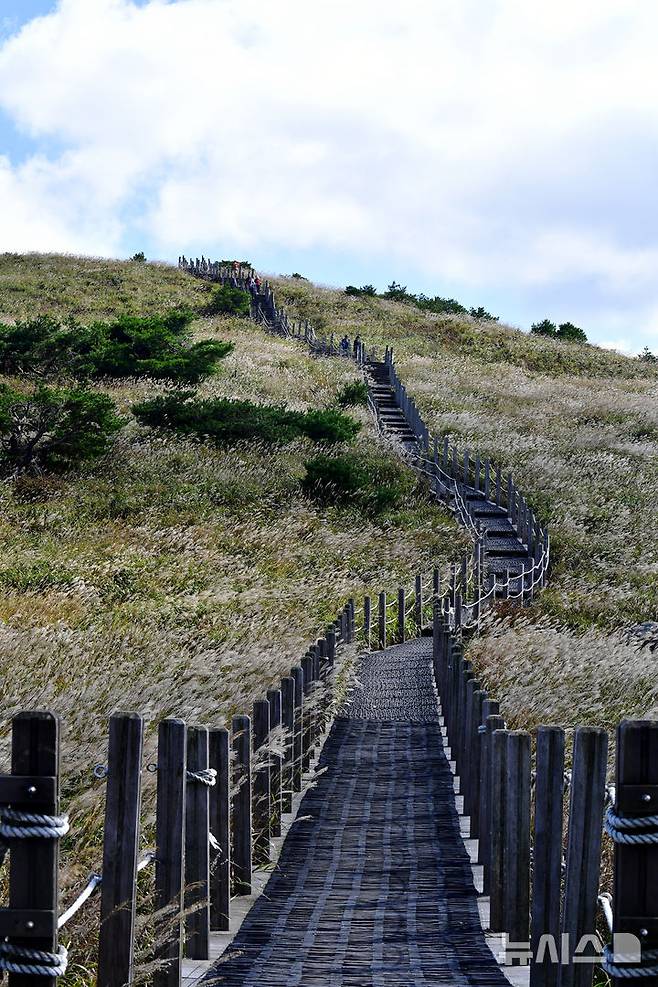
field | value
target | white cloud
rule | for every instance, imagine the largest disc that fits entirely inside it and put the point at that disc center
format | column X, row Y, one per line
column 444, row 135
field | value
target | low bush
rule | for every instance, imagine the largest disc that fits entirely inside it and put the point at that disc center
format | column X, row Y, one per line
column 131, row 346
column 54, row 429
column 374, row 484
column 567, row 331
column 139, row 258
column 227, row 300
column 353, row 394
column 224, row 420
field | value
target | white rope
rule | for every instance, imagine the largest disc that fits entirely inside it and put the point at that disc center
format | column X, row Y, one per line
column 205, row 776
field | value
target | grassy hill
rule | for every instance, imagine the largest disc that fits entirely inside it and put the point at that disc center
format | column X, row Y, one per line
column 578, row 426
column 172, row 576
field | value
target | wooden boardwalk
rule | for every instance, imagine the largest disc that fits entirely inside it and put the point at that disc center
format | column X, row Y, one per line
column 374, row 885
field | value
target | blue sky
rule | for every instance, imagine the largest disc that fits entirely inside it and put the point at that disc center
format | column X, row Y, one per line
column 499, row 151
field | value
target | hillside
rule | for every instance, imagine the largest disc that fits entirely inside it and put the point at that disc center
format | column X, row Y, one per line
column 578, row 426
column 173, row 576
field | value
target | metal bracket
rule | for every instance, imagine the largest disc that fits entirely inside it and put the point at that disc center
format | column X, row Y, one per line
column 27, row 923
column 27, row 790
column 637, row 800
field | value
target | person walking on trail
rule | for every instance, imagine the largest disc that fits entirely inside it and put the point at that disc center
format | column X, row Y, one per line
column 344, row 346
column 357, row 346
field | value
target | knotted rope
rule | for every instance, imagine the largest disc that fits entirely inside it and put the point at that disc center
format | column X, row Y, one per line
column 622, row 970
column 638, row 830
column 38, row 962
column 205, row 776
column 17, row 825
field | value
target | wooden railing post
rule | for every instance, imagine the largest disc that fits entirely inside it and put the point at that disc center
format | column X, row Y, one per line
column 288, row 722
column 478, row 698
column 635, row 899
column 583, row 848
column 297, row 674
column 382, row 622
column 367, row 620
column 220, row 819
column 401, row 614
column 33, row 863
column 547, row 853
column 120, row 842
column 170, row 842
column 516, row 868
column 261, row 784
column 418, row 604
column 274, row 699
column 490, row 721
column 498, row 819
column 197, row 847
column 241, row 805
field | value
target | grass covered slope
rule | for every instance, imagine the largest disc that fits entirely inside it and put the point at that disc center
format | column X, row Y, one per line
column 578, row 426
column 175, row 576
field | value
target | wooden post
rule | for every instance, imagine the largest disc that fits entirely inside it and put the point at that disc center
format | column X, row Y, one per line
column 516, row 868
column 382, row 621
column 499, row 492
column 547, row 847
column 33, row 863
column 367, row 620
column 491, row 721
column 169, row 841
column 497, row 838
column 478, row 469
column 261, row 787
column 197, row 856
column 288, row 722
column 467, row 466
column 297, row 674
column 487, row 479
column 418, row 604
column 120, row 842
column 436, row 583
column 635, row 899
column 466, row 733
column 331, row 647
column 274, row 700
column 220, row 819
column 401, row 614
column 307, row 713
column 477, row 702
column 583, row 848
column 241, row 807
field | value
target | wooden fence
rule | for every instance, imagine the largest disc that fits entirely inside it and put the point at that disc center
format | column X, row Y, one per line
column 546, row 905
column 221, row 796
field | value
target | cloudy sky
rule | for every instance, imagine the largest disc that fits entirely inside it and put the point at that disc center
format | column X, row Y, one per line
column 503, row 152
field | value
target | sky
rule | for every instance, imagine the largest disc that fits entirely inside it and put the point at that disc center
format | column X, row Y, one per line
column 502, row 152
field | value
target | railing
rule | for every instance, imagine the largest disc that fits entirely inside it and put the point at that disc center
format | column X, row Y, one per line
column 546, row 907
column 451, row 473
column 221, row 797
column 549, row 922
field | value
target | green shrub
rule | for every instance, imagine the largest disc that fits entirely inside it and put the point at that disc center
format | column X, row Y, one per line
column 355, row 393
column 368, row 289
column 646, row 356
column 54, row 429
column 227, row 300
column 223, row 420
column 544, row 328
column 131, row 346
column 374, row 484
column 139, row 258
column 570, row 333
column 481, row 313
column 334, row 479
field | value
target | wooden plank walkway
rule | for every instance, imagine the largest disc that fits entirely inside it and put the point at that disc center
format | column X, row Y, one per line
column 374, row 886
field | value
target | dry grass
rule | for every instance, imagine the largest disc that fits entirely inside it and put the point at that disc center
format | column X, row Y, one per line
column 175, row 577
